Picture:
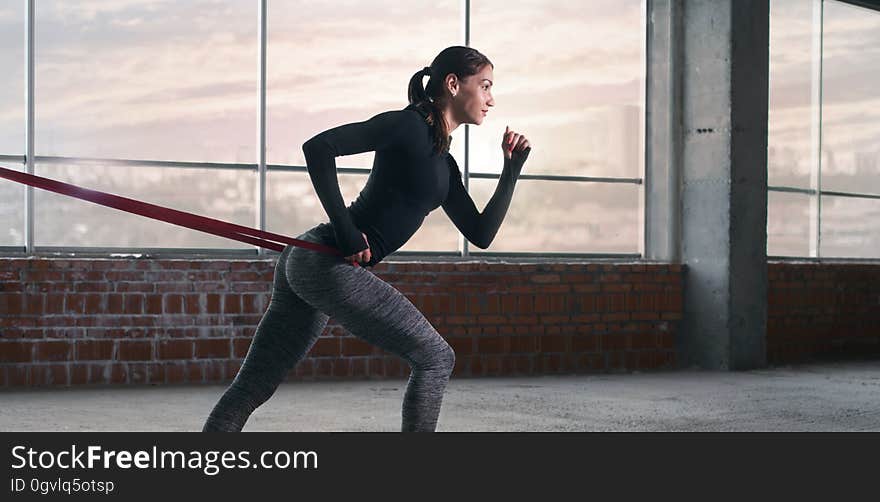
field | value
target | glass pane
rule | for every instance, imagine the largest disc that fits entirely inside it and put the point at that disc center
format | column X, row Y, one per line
column 568, row 217
column 790, row 115
column 12, row 105
column 569, row 78
column 11, row 208
column 788, row 224
column 330, row 65
column 850, row 101
column 436, row 234
column 850, row 227
column 293, row 207
column 224, row 194
column 143, row 79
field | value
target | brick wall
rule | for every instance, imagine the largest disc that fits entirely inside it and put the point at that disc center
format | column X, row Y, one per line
column 163, row 321
column 822, row 310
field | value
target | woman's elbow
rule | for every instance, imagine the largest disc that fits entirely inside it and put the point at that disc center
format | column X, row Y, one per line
column 309, row 147
column 482, row 241
column 317, row 145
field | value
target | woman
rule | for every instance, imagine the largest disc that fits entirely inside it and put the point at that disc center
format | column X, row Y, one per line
column 412, row 175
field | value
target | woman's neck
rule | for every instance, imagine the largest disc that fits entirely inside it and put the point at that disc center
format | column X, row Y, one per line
column 451, row 121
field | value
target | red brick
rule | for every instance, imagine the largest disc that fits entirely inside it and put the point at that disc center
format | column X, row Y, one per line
column 53, row 351
column 135, row 350
column 194, row 372
column 134, row 303
column 94, row 303
column 192, row 304
column 525, row 304
column 155, row 373
column 341, row 367
column 585, row 343
column 17, row 376
column 33, row 304
column 54, row 303
column 153, row 304
column 118, row 373
column 233, row 366
column 493, row 345
column 79, row 374
column 215, row 371
column 115, row 304
column 175, row 349
column 240, row 347
column 461, row 345
column 527, row 344
column 614, row 342
column 175, row 372
column 173, row 303
column 393, row 367
column 305, row 369
column 137, row 373
column 323, row 367
column 213, row 348
column 232, row 304
column 92, row 350
column 16, row 352
column 212, row 303
column 494, row 365
column 377, row 367
column 355, row 347
column 493, row 304
column 325, row 347
column 474, row 305
column 554, row 343
column 11, row 304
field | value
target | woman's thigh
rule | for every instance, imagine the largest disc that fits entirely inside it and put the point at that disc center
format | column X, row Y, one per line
column 364, row 304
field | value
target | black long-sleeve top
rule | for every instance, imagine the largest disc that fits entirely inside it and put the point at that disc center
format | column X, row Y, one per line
column 408, row 180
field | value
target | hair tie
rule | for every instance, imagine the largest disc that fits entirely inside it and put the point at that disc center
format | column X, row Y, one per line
column 427, row 70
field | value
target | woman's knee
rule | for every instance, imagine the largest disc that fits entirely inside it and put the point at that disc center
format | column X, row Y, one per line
column 439, row 356
column 448, row 357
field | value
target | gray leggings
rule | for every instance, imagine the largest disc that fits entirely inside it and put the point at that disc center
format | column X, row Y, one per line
column 310, row 286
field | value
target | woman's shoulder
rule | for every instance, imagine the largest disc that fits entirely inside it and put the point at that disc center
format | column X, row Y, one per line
column 419, row 113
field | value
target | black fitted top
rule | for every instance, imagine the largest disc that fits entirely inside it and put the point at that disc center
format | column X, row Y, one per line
column 408, row 180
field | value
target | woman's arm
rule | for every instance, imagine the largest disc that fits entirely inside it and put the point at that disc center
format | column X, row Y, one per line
column 382, row 131
column 481, row 228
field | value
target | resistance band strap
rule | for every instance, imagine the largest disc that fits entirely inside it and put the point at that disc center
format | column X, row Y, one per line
column 168, row 215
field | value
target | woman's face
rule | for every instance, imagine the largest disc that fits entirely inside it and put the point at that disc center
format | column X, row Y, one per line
column 473, row 97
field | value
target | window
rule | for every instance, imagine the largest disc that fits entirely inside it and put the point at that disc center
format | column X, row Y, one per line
column 824, row 141
column 579, row 100
column 146, row 80
column 159, row 100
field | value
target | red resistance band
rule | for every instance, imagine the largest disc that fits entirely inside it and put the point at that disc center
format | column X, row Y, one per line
column 173, row 216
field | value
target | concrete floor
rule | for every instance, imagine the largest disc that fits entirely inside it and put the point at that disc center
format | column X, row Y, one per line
column 831, row 396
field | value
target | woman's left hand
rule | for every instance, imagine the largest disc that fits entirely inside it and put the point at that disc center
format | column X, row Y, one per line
column 516, row 150
column 513, row 143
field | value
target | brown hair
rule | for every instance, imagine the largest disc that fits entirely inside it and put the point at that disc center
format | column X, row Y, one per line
column 463, row 62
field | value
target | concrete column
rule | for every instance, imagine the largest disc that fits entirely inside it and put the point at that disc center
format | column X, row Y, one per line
column 707, row 171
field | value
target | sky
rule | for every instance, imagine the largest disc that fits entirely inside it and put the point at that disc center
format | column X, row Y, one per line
column 177, row 81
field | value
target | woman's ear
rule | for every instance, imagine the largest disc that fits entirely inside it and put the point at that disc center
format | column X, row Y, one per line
column 452, row 83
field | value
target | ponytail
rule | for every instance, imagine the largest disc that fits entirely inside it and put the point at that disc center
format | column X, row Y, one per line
column 418, row 96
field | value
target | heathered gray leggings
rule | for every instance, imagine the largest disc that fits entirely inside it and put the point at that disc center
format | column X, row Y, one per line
column 310, row 286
